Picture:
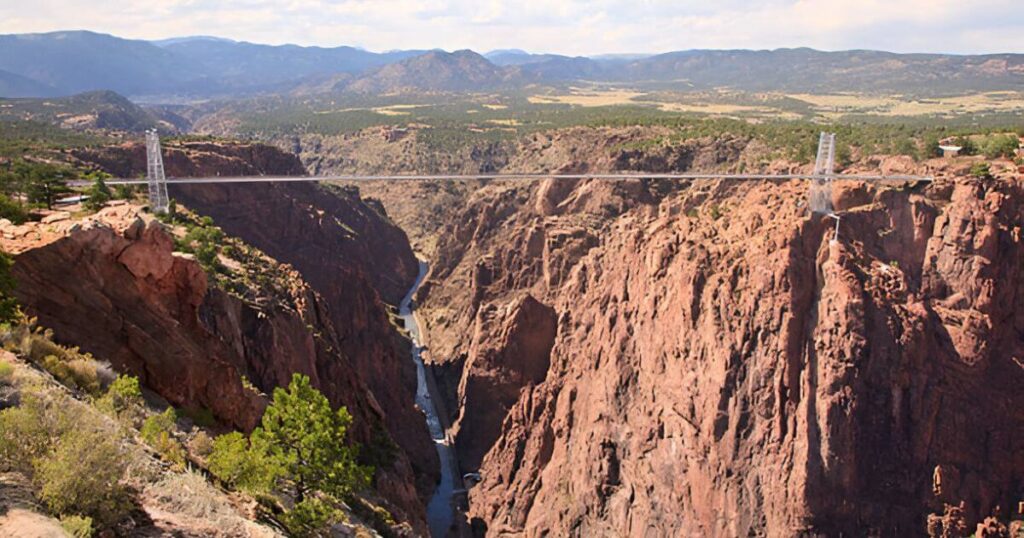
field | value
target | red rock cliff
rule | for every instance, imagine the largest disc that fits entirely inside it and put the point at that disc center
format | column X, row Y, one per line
column 724, row 365
column 113, row 286
column 345, row 248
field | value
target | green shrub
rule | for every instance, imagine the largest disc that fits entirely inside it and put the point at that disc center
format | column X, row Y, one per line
column 206, row 255
column 42, row 183
column 200, row 416
column 8, row 304
column 83, row 474
column 299, row 447
column 376, row 516
column 981, row 170
column 77, row 526
column 37, row 346
column 311, row 517
column 382, row 450
column 124, row 192
column 11, row 210
column 28, row 432
column 241, row 466
column 123, row 399
column 157, row 424
column 77, row 373
column 967, row 146
column 205, row 241
column 1000, row 146
column 158, row 432
column 6, row 373
column 201, row 444
column 99, row 194
column 932, row 147
column 170, row 449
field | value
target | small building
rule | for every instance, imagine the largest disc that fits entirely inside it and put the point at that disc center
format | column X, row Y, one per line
column 950, row 151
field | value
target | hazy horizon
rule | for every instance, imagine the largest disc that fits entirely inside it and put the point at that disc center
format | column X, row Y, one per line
column 568, row 27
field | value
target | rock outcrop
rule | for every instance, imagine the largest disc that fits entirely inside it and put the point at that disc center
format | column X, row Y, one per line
column 510, row 352
column 348, row 251
column 320, row 231
column 113, row 286
column 723, row 364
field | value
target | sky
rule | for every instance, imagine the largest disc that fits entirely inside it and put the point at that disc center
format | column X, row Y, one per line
column 572, row 27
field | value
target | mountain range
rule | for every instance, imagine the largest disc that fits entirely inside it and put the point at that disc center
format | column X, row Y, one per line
column 64, row 63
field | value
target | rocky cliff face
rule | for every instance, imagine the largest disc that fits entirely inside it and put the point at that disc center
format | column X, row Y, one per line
column 346, row 249
column 318, row 230
column 723, row 364
column 113, row 286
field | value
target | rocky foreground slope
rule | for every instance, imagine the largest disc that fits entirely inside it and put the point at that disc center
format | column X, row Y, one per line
column 114, row 286
column 117, row 288
column 644, row 359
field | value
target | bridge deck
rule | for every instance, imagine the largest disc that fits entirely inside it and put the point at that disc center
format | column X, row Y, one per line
column 528, row 177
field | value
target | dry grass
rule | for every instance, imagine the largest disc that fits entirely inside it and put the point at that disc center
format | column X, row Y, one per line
column 897, row 105
column 187, row 500
column 581, row 97
column 709, row 104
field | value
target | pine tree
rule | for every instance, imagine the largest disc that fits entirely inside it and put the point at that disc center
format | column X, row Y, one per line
column 99, row 193
column 307, row 441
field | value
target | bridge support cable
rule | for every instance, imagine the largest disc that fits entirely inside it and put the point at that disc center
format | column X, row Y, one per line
column 155, row 177
column 820, row 189
column 820, row 194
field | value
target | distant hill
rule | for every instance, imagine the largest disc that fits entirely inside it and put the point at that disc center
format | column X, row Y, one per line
column 506, row 57
column 462, row 70
column 75, row 62
column 187, row 39
column 812, row 70
column 64, row 63
column 104, row 110
column 13, row 85
column 247, row 65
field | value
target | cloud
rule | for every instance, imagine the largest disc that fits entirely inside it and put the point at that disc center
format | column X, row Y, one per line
column 563, row 26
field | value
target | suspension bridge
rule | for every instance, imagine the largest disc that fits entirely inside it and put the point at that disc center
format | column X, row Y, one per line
column 820, row 190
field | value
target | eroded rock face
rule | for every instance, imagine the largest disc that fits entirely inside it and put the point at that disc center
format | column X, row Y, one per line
column 113, row 286
column 510, row 352
column 724, row 365
column 348, row 251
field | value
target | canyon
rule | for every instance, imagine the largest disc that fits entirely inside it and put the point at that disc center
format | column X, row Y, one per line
column 714, row 361
column 155, row 313
column 639, row 358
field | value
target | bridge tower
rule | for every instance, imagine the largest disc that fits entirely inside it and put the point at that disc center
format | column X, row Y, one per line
column 820, row 196
column 158, row 199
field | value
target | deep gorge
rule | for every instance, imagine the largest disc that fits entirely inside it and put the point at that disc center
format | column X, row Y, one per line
column 637, row 357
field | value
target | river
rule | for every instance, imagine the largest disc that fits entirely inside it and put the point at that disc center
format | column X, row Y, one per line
column 440, row 512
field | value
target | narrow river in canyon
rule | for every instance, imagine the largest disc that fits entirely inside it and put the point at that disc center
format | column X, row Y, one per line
column 440, row 512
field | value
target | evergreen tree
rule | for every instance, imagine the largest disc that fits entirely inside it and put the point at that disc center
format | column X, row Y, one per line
column 307, row 441
column 8, row 304
column 43, row 182
column 99, row 193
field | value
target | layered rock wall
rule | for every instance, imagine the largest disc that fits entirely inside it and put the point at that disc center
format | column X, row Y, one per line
column 113, row 286
column 723, row 364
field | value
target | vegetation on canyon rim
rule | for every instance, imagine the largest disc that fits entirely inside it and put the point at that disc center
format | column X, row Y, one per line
column 300, row 450
column 80, row 450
